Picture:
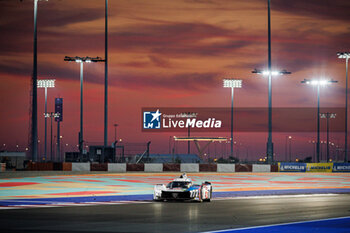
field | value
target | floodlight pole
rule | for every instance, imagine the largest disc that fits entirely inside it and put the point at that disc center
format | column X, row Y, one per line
column 58, row 156
column 318, row 125
column 81, row 138
column 51, row 152
column 232, row 94
column 81, row 60
column 45, row 124
column 269, row 139
column 34, row 141
column 318, row 83
column 345, row 55
column 106, row 77
column 327, row 115
column 232, row 83
column 346, row 111
column 45, row 84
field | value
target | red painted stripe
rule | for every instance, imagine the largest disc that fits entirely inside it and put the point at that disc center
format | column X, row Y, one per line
column 82, row 193
column 13, row 184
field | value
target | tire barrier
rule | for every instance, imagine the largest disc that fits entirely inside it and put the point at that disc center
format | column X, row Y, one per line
column 117, row 167
column 153, row 167
column 81, row 167
column 226, row 168
column 261, row 168
column 189, row 167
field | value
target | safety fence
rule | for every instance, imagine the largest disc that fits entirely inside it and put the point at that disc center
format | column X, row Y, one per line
column 152, row 167
column 189, row 167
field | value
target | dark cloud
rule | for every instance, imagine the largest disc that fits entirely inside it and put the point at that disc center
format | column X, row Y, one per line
column 325, row 9
column 193, row 82
column 17, row 24
column 160, row 62
column 178, row 39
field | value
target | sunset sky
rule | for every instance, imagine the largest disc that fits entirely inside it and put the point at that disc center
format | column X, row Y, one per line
column 166, row 53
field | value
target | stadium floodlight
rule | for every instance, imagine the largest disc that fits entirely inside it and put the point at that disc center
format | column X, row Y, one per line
column 318, row 83
column 346, row 56
column 273, row 73
column 34, row 101
column 232, row 83
column 51, row 115
column 343, row 55
column 328, row 115
column 269, row 73
column 82, row 60
column 45, row 83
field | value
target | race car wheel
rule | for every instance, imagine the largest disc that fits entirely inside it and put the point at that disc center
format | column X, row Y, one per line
column 200, row 198
column 209, row 196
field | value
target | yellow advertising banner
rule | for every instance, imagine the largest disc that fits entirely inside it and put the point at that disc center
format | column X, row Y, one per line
column 319, row 167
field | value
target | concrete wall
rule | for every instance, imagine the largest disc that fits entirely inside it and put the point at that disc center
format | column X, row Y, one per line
column 261, row 168
column 189, row 167
column 80, row 166
column 117, row 167
column 226, row 168
column 153, row 167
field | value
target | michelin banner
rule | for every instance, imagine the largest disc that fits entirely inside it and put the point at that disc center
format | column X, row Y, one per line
column 319, row 167
column 314, row 167
column 341, row 167
column 291, row 167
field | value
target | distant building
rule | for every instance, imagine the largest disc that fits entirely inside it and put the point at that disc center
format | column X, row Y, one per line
column 13, row 159
column 169, row 158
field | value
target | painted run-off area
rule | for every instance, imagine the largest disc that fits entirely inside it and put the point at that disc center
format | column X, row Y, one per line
column 142, row 183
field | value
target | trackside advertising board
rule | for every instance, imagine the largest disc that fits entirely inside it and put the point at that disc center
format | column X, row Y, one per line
column 319, row 167
column 291, row 167
column 341, row 167
column 314, row 167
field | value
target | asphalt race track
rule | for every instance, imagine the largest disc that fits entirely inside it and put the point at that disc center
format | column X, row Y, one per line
column 178, row 216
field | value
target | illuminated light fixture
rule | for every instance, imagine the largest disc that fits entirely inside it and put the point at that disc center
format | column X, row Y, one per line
column 273, row 73
column 346, row 56
column 82, row 60
column 321, row 82
column 269, row 73
column 232, row 83
column 343, row 55
column 328, row 115
column 46, row 83
column 318, row 83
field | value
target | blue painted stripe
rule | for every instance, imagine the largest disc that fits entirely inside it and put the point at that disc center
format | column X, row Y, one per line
column 278, row 192
column 334, row 225
column 145, row 197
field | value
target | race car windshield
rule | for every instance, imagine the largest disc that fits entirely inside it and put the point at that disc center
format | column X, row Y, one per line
column 177, row 184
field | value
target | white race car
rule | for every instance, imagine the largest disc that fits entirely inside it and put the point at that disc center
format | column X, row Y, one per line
column 182, row 188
